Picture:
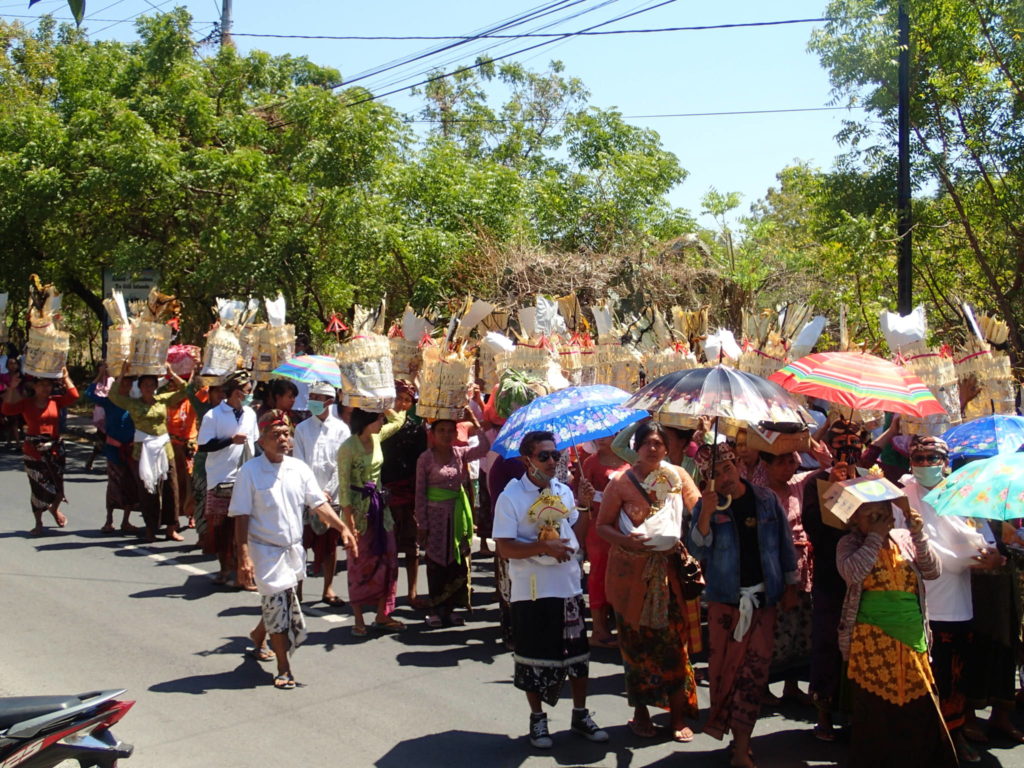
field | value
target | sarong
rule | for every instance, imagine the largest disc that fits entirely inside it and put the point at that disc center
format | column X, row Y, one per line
column 738, row 669
column 372, row 577
column 159, row 508
column 220, row 529
column 449, row 584
column 199, row 494
column 892, row 736
column 46, row 475
column 792, row 639
column 550, row 643
column 950, row 643
column 183, row 475
column 282, row 614
column 121, row 487
column 402, row 503
column 597, row 554
column 503, row 591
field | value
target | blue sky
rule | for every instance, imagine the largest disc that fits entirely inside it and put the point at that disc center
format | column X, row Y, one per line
column 673, row 72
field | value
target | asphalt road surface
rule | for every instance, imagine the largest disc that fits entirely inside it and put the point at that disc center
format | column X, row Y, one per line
column 83, row 611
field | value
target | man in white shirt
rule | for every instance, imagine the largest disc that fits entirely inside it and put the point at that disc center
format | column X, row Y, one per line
column 534, row 522
column 227, row 435
column 317, row 440
column 270, row 494
column 950, row 611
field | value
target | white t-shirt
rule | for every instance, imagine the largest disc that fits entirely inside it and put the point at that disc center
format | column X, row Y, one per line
column 956, row 543
column 219, row 424
column 536, row 577
column 316, row 444
column 274, row 496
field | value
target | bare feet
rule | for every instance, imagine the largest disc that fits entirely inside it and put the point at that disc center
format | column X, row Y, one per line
column 59, row 517
column 191, row 522
column 173, row 535
column 682, row 735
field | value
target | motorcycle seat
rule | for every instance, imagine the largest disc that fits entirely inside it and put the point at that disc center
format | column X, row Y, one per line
column 15, row 709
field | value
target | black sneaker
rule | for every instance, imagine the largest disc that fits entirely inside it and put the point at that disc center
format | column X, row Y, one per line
column 539, row 736
column 584, row 725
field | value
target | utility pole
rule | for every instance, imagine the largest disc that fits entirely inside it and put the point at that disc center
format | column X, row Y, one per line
column 225, row 24
column 904, row 231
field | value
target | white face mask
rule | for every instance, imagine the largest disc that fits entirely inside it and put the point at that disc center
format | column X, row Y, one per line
column 135, row 392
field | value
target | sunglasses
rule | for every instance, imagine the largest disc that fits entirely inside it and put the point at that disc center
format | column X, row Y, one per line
column 927, row 459
column 546, row 455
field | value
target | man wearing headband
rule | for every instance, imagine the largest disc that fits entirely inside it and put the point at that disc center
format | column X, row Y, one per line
column 535, row 519
column 317, row 440
column 742, row 535
column 960, row 549
column 270, row 494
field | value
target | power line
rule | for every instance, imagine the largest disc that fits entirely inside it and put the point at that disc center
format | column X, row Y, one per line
column 133, row 16
column 699, row 28
column 478, row 64
column 645, row 117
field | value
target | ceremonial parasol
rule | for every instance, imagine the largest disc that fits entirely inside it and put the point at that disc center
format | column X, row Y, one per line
column 859, row 381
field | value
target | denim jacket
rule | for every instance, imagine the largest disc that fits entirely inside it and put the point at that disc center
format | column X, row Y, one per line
column 720, row 550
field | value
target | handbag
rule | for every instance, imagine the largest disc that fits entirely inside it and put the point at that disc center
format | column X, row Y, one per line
column 691, row 576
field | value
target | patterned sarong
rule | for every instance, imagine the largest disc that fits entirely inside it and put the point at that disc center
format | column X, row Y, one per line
column 282, row 614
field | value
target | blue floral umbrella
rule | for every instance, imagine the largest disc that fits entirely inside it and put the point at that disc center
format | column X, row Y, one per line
column 985, row 437
column 990, row 488
column 574, row 415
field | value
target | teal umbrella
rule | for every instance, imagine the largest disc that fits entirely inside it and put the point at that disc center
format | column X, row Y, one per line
column 991, row 488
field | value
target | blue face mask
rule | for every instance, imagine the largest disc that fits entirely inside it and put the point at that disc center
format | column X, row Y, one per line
column 316, row 407
column 929, row 476
column 247, row 400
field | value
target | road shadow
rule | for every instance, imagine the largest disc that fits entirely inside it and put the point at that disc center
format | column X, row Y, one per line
column 469, row 748
column 193, row 588
column 248, row 674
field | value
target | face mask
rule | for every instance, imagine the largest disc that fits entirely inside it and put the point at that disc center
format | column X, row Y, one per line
column 135, row 392
column 929, row 476
column 317, row 407
column 247, row 400
column 539, row 475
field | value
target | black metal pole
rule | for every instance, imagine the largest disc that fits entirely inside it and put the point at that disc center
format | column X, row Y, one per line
column 905, row 282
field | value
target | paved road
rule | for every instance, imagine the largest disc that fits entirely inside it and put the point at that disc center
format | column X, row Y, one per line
column 85, row 611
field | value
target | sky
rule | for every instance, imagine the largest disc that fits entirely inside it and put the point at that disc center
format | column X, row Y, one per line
column 723, row 70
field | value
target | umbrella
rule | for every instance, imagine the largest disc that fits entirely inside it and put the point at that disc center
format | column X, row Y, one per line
column 310, row 368
column 859, row 381
column 985, row 437
column 721, row 392
column 573, row 415
column 990, row 488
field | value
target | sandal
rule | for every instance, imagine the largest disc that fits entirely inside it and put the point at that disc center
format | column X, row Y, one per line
column 456, row 621
column 433, row 621
column 285, row 682
column 646, row 731
column 391, row 625
column 683, row 736
column 260, row 654
column 359, row 631
column 333, row 601
column 824, row 734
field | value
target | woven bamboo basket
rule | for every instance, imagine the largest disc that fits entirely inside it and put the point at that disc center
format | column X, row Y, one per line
column 618, row 366
column 275, row 344
column 667, row 361
column 119, row 348
column 248, row 342
column 405, row 358
column 222, row 353
column 367, row 378
column 759, row 363
column 991, row 370
column 939, row 374
column 150, row 342
column 444, row 381
column 46, row 353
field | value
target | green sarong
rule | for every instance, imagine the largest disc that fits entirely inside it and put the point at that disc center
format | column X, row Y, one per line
column 462, row 515
column 896, row 613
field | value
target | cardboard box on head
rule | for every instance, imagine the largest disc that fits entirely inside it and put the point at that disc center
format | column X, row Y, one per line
column 840, row 501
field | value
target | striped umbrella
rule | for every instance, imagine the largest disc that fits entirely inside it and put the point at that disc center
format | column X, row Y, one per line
column 860, row 381
column 309, row 369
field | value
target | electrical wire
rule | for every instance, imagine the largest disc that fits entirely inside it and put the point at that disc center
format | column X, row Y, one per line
column 132, row 17
column 648, row 117
column 697, row 28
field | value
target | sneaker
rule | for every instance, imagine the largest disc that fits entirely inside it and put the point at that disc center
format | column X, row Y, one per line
column 584, row 725
column 539, row 736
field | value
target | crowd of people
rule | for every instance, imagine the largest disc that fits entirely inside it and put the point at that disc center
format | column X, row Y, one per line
column 906, row 624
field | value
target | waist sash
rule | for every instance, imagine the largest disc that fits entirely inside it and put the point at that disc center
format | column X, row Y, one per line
column 896, row 613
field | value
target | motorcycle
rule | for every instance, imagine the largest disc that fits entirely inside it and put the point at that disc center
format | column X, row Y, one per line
column 44, row 731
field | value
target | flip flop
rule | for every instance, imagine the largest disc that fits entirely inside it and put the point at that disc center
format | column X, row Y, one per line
column 260, row 654
column 683, row 735
column 391, row 625
column 824, row 734
column 644, row 733
column 359, row 631
column 434, row 622
column 284, row 682
column 333, row 601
